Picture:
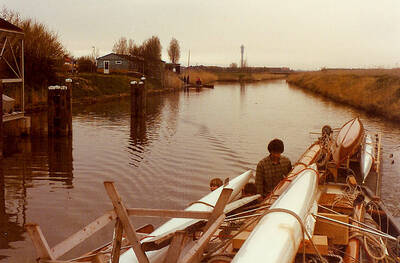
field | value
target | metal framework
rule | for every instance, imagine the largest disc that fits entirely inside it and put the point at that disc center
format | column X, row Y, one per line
column 12, row 56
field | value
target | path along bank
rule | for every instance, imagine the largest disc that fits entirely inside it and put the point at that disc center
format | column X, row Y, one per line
column 376, row 91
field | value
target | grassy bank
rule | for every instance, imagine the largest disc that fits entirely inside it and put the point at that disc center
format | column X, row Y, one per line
column 93, row 87
column 209, row 76
column 376, row 91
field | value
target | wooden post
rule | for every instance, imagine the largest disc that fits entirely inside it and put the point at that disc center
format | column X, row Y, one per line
column 69, row 106
column 117, row 240
column 219, row 207
column 59, row 110
column 1, row 120
column 174, row 250
column 40, row 243
column 138, row 98
column 126, row 223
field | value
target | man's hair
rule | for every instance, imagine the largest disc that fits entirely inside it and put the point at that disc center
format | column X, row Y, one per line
column 216, row 182
column 276, row 146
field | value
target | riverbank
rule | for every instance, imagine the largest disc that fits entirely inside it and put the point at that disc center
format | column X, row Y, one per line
column 377, row 91
column 210, row 76
column 89, row 88
column 93, row 87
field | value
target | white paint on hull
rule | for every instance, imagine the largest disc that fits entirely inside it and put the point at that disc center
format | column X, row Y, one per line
column 277, row 236
column 367, row 157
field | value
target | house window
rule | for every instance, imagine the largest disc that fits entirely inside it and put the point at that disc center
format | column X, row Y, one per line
column 118, row 62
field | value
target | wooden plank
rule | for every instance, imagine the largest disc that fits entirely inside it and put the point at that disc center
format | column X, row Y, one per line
column 174, row 250
column 77, row 238
column 146, row 229
column 40, row 243
column 320, row 242
column 168, row 213
column 197, row 249
column 126, row 223
column 116, row 247
column 219, row 207
column 100, row 258
column 338, row 233
column 59, row 261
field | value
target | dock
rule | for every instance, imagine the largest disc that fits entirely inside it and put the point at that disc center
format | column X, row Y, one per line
column 198, row 86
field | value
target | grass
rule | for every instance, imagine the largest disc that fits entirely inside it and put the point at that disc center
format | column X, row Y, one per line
column 376, row 91
column 209, row 76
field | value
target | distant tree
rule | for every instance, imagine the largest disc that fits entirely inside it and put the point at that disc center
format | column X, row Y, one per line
column 174, row 51
column 136, row 50
column 43, row 51
column 85, row 64
column 233, row 65
column 151, row 48
column 121, row 46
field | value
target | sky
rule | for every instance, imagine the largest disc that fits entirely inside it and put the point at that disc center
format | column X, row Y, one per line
column 300, row 34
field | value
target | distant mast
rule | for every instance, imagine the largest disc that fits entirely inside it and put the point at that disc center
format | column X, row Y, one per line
column 241, row 59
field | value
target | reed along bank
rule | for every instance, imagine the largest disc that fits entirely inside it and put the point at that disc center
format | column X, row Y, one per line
column 376, row 91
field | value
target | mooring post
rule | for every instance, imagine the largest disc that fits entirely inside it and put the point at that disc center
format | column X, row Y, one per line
column 138, row 98
column 69, row 105
column 1, row 120
column 59, row 111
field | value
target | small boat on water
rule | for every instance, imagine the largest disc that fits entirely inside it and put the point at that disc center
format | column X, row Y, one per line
column 310, row 216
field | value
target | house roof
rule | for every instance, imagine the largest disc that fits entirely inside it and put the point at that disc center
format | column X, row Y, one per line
column 127, row 57
column 5, row 25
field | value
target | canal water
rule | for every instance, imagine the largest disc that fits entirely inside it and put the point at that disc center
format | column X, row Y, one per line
column 164, row 161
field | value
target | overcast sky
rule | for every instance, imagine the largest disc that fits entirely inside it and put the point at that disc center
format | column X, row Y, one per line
column 300, row 34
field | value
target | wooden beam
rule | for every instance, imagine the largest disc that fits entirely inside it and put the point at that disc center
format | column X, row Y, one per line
column 40, row 243
column 77, row 238
column 168, row 213
column 116, row 248
column 100, row 258
column 197, row 249
column 174, row 250
column 11, row 80
column 219, row 207
column 126, row 223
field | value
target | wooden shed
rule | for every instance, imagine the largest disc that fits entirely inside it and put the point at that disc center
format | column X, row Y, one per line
column 120, row 63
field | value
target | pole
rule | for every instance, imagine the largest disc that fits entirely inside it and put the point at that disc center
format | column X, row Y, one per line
column 1, row 121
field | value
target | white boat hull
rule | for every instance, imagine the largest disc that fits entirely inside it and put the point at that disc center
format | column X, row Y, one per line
column 180, row 223
column 277, row 236
column 367, row 157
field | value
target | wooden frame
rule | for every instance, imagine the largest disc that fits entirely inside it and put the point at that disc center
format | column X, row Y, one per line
column 178, row 241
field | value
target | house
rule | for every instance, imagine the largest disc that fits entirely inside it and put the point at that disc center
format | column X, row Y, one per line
column 174, row 67
column 119, row 63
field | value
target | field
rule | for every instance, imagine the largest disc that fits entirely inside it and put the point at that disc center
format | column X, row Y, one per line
column 376, row 91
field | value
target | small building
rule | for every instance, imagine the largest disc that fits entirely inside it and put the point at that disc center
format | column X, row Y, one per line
column 119, row 63
column 174, row 67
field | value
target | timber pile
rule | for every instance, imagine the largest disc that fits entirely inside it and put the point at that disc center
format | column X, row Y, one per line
column 126, row 236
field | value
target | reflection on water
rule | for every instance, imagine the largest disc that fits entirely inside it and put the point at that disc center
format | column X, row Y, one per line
column 162, row 161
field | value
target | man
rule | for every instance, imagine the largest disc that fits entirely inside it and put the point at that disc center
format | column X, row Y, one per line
column 272, row 169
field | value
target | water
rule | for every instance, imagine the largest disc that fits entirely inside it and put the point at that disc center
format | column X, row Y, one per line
column 165, row 161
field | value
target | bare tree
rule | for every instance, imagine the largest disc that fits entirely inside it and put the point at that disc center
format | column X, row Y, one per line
column 233, row 65
column 121, row 46
column 174, row 51
column 152, row 48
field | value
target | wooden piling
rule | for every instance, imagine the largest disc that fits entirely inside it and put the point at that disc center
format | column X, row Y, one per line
column 1, row 120
column 59, row 110
column 138, row 98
